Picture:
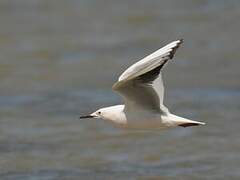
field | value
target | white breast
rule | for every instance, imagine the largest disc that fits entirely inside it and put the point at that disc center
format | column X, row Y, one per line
column 143, row 120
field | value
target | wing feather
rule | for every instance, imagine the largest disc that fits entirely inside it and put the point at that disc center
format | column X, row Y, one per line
column 148, row 63
column 141, row 84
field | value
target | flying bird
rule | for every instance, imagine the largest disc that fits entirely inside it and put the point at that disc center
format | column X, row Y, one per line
column 141, row 87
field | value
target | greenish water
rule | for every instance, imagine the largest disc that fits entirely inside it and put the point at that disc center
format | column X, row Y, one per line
column 59, row 59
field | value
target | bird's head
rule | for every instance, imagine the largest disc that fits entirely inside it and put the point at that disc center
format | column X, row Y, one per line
column 111, row 113
column 100, row 113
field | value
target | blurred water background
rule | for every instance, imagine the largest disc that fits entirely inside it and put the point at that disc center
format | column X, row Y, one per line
column 59, row 59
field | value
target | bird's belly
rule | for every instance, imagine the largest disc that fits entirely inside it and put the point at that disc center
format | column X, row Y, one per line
column 146, row 123
column 143, row 126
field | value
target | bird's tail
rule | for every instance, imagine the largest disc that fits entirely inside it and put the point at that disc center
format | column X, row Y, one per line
column 183, row 122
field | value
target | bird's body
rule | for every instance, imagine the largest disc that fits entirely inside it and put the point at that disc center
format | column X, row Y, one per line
column 142, row 89
column 144, row 120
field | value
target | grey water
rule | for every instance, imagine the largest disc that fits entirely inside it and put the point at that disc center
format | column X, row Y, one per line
column 59, row 59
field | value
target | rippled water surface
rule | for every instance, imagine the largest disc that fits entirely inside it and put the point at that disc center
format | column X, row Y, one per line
column 58, row 59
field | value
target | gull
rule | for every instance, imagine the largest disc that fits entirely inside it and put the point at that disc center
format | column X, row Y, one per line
column 142, row 89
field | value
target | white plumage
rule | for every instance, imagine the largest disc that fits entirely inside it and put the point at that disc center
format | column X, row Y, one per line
column 142, row 89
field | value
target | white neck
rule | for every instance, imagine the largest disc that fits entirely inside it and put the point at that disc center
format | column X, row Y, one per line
column 114, row 114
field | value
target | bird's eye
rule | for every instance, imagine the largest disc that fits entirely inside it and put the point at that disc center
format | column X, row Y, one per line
column 99, row 112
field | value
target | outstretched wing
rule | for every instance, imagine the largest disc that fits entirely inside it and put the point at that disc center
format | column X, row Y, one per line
column 141, row 84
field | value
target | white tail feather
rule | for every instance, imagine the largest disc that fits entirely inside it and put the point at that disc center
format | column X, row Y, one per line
column 180, row 121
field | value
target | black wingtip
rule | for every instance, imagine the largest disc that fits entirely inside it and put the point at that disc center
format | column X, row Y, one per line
column 175, row 48
column 189, row 124
column 181, row 40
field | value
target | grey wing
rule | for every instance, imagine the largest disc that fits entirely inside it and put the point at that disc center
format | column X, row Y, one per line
column 141, row 84
column 145, row 91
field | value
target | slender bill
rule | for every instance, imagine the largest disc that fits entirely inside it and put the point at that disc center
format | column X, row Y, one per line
column 86, row 116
